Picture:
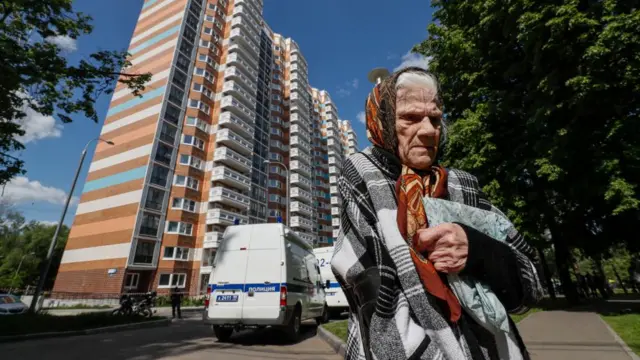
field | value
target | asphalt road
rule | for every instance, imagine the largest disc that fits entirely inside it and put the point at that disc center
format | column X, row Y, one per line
column 183, row 339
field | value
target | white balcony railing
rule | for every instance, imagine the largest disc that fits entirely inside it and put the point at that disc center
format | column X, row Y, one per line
column 231, row 158
column 300, row 207
column 229, row 138
column 227, row 176
column 212, row 240
column 225, row 217
column 229, row 103
column 335, row 211
column 298, row 221
column 301, row 181
column 228, row 120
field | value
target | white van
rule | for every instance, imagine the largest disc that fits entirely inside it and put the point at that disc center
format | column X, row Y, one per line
column 264, row 275
column 336, row 301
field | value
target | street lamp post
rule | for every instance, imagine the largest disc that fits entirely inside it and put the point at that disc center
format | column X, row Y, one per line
column 47, row 262
column 18, row 270
column 288, row 223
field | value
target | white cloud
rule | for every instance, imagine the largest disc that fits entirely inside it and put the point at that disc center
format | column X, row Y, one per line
column 413, row 59
column 37, row 126
column 354, row 83
column 64, row 42
column 391, row 56
column 48, row 222
column 22, row 190
column 362, row 117
column 342, row 92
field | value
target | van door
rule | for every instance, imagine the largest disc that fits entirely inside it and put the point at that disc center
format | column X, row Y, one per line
column 317, row 296
column 228, row 278
column 264, row 275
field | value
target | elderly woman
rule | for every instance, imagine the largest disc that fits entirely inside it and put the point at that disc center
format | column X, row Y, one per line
column 417, row 291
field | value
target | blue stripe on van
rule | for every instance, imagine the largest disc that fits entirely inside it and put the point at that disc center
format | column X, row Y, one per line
column 334, row 285
column 246, row 287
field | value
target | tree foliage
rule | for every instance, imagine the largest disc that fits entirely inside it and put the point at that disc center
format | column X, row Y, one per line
column 26, row 243
column 543, row 98
column 36, row 75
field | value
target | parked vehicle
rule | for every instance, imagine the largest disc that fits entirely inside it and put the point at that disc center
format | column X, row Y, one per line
column 11, row 305
column 264, row 275
column 130, row 305
column 336, row 300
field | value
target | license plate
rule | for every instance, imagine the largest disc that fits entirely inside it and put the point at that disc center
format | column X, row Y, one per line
column 227, row 298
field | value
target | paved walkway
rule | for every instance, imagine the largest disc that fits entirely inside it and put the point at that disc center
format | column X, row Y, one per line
column 560, row 335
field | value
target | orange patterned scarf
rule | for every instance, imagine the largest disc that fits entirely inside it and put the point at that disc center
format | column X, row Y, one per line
column 411, row 187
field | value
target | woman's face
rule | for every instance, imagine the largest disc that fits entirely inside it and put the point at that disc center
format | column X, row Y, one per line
column 418, row 120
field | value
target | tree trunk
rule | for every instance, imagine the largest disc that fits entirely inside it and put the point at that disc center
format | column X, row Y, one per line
column 563, row 263
column 547, row 274
column 615, row 272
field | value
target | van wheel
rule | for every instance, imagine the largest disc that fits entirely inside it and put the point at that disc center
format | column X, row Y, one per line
column 292, row 329
column 324, row 318
column 223, row 334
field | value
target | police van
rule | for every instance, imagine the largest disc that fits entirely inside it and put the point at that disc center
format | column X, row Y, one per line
column 336, row 300
column 264, row 275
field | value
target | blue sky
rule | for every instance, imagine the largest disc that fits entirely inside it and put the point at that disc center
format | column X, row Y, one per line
column 341, row 40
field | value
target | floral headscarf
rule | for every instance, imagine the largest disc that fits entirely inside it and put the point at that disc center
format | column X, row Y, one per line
column 411, row 186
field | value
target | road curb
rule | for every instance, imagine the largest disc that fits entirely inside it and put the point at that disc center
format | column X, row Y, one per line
column 336, row 344
column 619, row 340
column 106, row 329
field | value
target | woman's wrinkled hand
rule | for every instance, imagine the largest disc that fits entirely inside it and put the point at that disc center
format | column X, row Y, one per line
column 445, row 245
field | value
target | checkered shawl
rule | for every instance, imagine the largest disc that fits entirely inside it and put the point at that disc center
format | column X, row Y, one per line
column 391, row 316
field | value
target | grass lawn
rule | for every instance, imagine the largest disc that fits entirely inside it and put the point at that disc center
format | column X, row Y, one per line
column 628, row 328
column 41, row 323
column 339, row 328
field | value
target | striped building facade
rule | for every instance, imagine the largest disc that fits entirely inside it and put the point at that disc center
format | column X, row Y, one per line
column 197, row 151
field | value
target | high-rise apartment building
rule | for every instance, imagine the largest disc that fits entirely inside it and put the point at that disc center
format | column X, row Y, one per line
column 227, row 116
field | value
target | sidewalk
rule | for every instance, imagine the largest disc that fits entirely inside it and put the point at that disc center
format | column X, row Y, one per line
column 560, row 335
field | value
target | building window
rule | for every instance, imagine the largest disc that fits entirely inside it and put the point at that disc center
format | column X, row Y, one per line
column 274, row 198
column 274, row 183
column 200, row 124
column 172, row 280
column 159, row 175
column 187, row 181
column 208, row 18
column 192, row 161
column 131, row 281
column 193, row 141
column 175, row 253
column 168, row 133
column 149, row 224
column 203, row 89
column 144, row 252
column 177, row 227
column 197, row 104
column 155, row 199
column 164, row 153
column 185, row 204
column 208, row 30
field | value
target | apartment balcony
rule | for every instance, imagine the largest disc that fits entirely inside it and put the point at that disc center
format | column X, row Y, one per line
column 298, row 207
column 246, row 55
column 300, row 119
column 226, row 156
column 234, row 59
column 232, row 88
column 244, row 113
column 230, row 177
column 300, row 194
column 336, row 200
column 333, row 180
column 299, row 130
column 333, row 160
column 248, row 13
column 229, row 197
column 299, row 154
column 298, row 57
column 299, row 141
column 229, row 121
column 334, row 190
column 301, row 168
column 335, row 222
column 300, row 222
column 333, row 135
column 335, row 144
column 229, row 138
column 300, row 181
column 250, row 84
column 335, row 211
column 309, row 238
column 246, row 22
column 212, row 240
column 238, row 36
column 225, row 217
column 247, row 26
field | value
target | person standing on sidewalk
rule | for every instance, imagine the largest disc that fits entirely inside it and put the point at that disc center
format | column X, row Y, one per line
column 176, row 299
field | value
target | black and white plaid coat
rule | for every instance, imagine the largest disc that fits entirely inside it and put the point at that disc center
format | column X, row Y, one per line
column 391, row 316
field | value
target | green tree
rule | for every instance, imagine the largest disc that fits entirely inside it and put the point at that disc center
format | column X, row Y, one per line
column 23, row 248
column 36, row 75
column 543, row 98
